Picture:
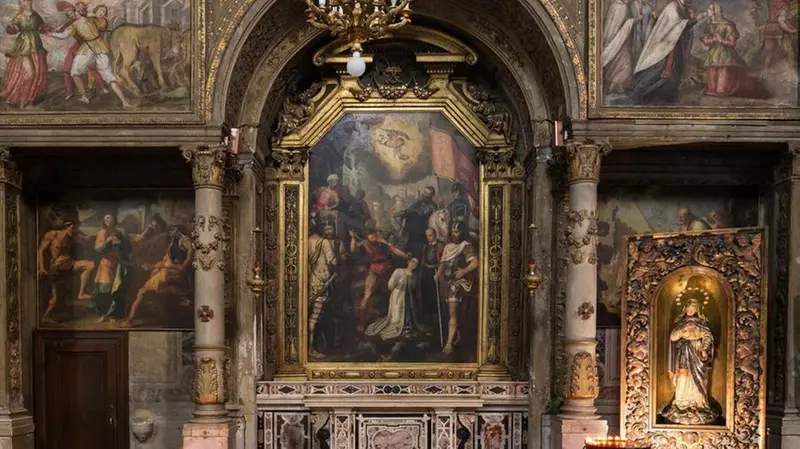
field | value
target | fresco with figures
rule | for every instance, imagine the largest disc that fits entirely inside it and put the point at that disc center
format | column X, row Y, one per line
column 116, row 260
column 624, row 212
column 98, row 55
column 393, row 241
column 698, row 53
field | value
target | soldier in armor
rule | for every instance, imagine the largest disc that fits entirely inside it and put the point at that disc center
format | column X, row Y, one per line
column 415, row 219
column 459, row 209
column 429, row 265
column 457, row 279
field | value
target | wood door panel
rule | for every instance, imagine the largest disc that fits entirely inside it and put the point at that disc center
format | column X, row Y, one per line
column 81, row 390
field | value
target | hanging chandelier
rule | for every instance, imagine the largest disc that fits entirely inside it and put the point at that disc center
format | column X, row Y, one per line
column 357, row 22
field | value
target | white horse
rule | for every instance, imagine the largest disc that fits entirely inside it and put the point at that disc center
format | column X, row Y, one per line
column 439, row 222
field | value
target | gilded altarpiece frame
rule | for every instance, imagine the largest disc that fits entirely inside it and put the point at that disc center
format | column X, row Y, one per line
column 422, row 85
column 727, row 268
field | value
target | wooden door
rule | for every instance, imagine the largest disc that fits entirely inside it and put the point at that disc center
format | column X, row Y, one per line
column 81, row 390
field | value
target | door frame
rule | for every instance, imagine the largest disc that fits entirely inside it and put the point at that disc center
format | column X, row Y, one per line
column 63, row 337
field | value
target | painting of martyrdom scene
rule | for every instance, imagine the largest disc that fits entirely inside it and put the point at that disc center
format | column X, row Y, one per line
column 117, row 261
column 625, row 212
column 691, row 348
column 699, row 53
column 393, row 241
column 98, row 55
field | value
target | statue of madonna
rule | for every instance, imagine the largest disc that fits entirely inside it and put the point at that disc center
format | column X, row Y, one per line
column 691, row 356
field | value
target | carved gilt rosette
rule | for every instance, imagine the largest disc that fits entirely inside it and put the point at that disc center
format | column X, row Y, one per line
column 737, row 256
column 208, row 164
column 583, row 160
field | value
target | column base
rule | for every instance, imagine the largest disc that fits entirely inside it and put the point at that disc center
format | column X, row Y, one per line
column 572, row 433
column 16, row 431
column 209, row 436
column 783, row 431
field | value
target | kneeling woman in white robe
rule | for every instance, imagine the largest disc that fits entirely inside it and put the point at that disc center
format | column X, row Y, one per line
column 399, row 317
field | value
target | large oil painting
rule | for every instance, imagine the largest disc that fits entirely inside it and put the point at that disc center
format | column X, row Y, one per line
column 690, row 351
column 702, row 54
column 624, row 212
column 393, row 250
column 96, row 55
column 116, row 260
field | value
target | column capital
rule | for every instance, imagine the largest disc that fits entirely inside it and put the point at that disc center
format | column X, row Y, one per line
column 288, row 163
column 209, row 163
column 9, row 172
column 583, row 160
column 499, row 163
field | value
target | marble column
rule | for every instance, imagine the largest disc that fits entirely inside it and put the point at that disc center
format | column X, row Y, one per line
column 578, row 417
column 16, row 423
column 211, row 426
column 783, row 417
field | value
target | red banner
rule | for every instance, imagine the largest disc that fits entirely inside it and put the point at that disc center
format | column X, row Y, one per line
column 451, row 163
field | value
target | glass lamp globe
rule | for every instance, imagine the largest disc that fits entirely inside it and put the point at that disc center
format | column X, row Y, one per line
column 356, row 66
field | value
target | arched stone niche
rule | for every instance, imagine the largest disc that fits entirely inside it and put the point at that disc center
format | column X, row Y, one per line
column 423, row 78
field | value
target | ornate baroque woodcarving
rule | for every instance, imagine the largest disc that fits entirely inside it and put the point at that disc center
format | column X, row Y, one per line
column 581, row 236
column 13, row 312
column 583, row 160
column 213, row 253
column 560, row 308
column 495, row 287
column 516, row 306
column 581, row 377
column 271, row 263
column 491, row 110
column 736, row 255
column 297, row 110
column 409, row 374
column 208, row 164
column 206, row 382
column 9, row 173
column 291, row 275
column 499, row 163
column 393, row 80
column 290, row 164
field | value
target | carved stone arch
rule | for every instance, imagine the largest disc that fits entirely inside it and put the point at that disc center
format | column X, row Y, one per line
column 547, row 80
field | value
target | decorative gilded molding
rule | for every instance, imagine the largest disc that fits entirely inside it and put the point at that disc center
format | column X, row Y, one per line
column 496, row 243
column 490, row 110
column 393, row 81
column 737, row 257
column 581, row 236
column 209, row 164
column 206, row 388
column 13, row 305
column 9, row 172
column 499, row 163
column 213, row 253
column 291, row 273
column 288, row 164
column 560, row 306
column 517, row 309
column 205, row 314
column 583, row 160
column 271, row 264
column 581, row 381
column 405, row 374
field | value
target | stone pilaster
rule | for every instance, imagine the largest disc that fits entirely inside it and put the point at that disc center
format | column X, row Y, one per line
column 540, row 305
column 783, row 419
column 580, row 384
column 16, row 423
column 211, row 425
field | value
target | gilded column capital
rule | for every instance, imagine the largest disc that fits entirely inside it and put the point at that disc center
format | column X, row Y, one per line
column 499, row 163
column 209, row 164
column 583, row 160
column 9, row 172
column 289, row 163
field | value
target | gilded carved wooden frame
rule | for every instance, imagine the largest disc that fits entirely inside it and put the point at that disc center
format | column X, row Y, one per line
column 194, row 115
column 737, row 256
column 502, row 202
column 598, row 110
